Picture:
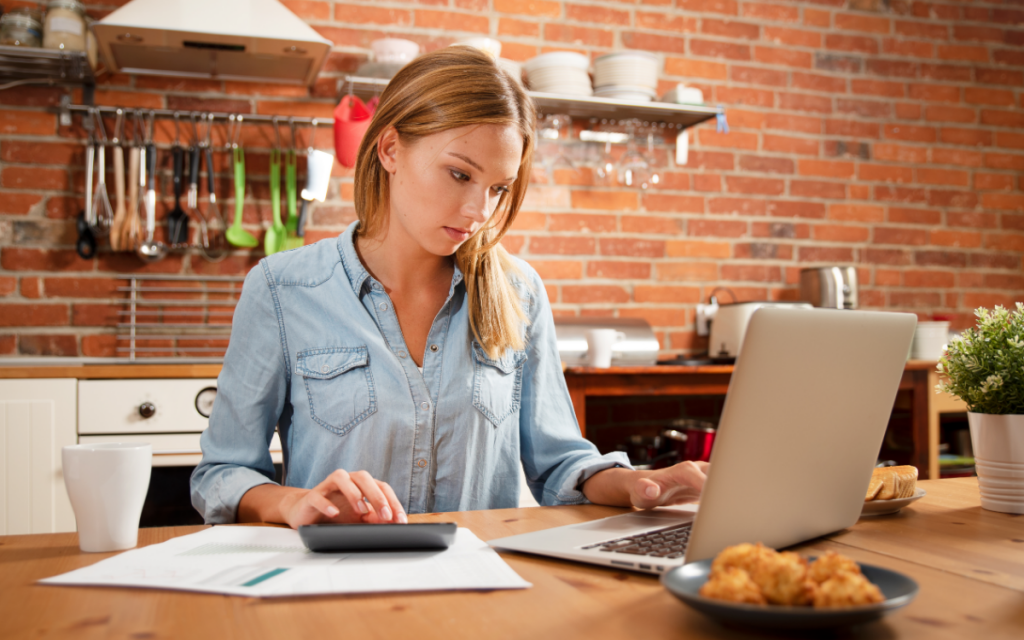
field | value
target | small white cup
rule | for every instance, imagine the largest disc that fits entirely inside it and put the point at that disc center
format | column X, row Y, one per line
column 107, row 484
column 930, row 340
column 599, row 346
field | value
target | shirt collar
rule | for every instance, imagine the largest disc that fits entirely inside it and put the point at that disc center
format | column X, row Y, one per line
column 357, row 273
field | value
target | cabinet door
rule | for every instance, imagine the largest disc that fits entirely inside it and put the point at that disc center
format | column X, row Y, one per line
column 37, row 419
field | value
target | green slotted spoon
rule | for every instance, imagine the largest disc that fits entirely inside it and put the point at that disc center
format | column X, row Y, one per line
column 274, row 240
column 235, row 234
column 291, row 181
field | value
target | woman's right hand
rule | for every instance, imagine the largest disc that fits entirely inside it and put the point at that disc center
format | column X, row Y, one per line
column 343, row 498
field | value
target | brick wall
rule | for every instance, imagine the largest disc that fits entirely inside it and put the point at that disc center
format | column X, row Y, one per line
column 888, row 134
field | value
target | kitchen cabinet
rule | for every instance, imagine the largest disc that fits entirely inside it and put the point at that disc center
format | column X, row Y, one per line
column 37, row 419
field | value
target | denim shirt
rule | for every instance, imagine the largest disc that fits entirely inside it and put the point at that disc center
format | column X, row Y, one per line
column 316, row 350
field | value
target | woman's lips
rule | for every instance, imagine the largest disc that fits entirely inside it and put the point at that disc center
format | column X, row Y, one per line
column 459, row 235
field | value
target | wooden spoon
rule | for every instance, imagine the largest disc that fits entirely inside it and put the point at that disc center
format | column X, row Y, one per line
column 130, row 237
column 120, row 210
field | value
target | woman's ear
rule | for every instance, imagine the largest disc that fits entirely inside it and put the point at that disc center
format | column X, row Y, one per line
column 387, row 149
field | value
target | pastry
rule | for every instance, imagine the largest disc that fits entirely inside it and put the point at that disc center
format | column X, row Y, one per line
column 733, row 584
column 845, row 589
column 891, row 483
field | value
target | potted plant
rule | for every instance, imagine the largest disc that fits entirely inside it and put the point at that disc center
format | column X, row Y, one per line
column 984, row 367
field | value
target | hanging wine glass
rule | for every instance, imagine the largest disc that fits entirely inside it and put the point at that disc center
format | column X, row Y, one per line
column 654, row 178
column 605, row 171
column 634, row 170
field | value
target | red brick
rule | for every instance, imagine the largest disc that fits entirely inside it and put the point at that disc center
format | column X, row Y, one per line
column 1005, row 242
column 1010, row 139
column 780, row 230
column 901, row 194
column 743, row 95
column 94, row 315
column 909, row 132
column 82, row 287
column 651, row 224
column 852, row 128
column 840, row 233
column 975, row 137
column 805, row 102
column 34, row 178
column 887, row 277
column 538, row 8
column 756, row 75
column 581, row 222
column 663, row 22
column 900, row 235
column 999, row 76
column 915, row 216
column 688, row 68
column 911, row 48
column 980, row 95
column 774, row 12
column 713, row 49
column 751, row 273
column 864, row 108
column 561, row 245
column 632, row 247
column 815, row 189
column 732, row 140
column 8, row 344
column 786, row 144
column 716, row 228
column 996, row 261
column 858, row 212
column 8, row 285
column 950, row 114
column 604, row 200
column 885, row 256
column 653, row 42
column 826, row 168
column 949, row 177
column 667, row 202
column 34, row 315
column 915, row 299
column 907, row 111
column 666, row 293
column 745, row 119
column 730, row 29
column 558, row 269
column 737, row 206
column 659, row 317
column 949, row 238
column 47, row 345
column 512, row 243
column 707, row 182
column 593, row 293
column 688, row 271
column 796, row 209
column 619, row 270
column 825, row 254
column 18, row 259
column 578, row 35
column 765, row 186
column 878, row 88
column 962, row 157
column 603, row 15
column 1010, row 201
column 884, row 173
column 18, row 203
column 819, row 82
column 993, row 181
column 1003, row 118
column 728, row 7
column 858, row 44
column 765, row 164
column 1004, row 161
column 697, row 249
column 861, row 22
column 784, row 57
column 313, row 10
column 934, row 92
column 1008, row 56
column 27, row 122
column 962, row 52
column 898, row 68
column 31, row 287
column 946, row 72
column 900, row 153
column 793, row 37
column 789, row 122
column 451, row 21
column 513, row 27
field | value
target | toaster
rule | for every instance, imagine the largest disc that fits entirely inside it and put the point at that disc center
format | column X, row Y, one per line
column 730, row 325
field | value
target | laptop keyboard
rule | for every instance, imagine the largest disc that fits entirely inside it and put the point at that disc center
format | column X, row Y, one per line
column 662, row 543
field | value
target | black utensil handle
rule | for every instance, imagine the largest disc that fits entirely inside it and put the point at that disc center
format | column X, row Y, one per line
column 209, row 170
column 85, row 245
column 178, row 162
column 150, row 165
column 300, row 224
column 193, row 174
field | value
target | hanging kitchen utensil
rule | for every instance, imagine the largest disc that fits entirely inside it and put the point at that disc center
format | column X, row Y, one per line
column 235, row 234
column 102, row 212
column 131, row 234
column 149, row 250
column 212, row 244
column 117, row 227
column 319, row 165
column 274, row 238
column 177, row 219
column 292, row 241
column 351, row 120
column 85, row 245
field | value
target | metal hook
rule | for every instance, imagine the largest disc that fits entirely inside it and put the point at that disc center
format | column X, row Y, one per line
column 312, row 137
column 98, row 117
column 277, row 133
column 209, row 128
column 234, row 129
column 195, row 129
column 150, row 128
column 291, row 125
column 118, row 127
column 177, row 129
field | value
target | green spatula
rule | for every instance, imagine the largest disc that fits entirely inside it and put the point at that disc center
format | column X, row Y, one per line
column 274, row 240
column 291, row 182
column 235, row 234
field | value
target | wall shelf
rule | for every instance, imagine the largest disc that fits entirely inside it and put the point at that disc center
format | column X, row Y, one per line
column 30, row 65
column 678, row 116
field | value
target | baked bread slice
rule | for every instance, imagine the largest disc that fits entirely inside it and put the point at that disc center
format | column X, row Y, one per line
column 892, row 483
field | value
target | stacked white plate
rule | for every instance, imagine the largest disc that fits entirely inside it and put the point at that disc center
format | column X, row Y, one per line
column 626, row 75
column 1001, row 485
column 562, row 72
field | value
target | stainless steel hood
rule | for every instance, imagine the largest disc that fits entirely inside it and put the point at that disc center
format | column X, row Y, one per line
column 248, row 40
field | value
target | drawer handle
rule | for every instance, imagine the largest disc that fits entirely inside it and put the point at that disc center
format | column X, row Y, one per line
column 147, row 410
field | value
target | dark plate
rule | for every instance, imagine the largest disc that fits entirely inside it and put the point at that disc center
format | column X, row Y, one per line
column 685, row 582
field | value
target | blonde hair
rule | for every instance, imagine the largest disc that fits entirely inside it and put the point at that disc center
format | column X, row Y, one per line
column 446, row 89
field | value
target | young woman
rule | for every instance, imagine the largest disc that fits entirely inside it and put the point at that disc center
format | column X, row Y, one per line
column 410, row 365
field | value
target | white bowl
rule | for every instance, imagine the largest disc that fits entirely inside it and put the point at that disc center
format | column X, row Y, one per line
column 558, row 59
column 1002, row 506
column 394, row 50
column 490, row 46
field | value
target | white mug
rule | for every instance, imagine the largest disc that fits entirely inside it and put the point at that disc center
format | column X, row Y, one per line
column 107, row 484
column 599, row 346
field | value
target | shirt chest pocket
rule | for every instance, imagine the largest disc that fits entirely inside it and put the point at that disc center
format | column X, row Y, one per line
column 339, row 386
column 497, row 384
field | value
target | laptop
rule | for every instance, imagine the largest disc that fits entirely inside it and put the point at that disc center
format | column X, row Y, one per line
column 807, row 408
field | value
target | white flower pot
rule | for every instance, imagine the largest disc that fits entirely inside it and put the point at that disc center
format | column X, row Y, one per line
column 998, row 442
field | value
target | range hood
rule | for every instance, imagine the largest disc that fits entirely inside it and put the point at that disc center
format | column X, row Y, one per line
column 248, row 40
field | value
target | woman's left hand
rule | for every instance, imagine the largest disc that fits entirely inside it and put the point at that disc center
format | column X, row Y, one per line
column 679, row 483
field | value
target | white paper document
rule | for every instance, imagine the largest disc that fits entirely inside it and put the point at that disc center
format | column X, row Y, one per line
column 268, row 562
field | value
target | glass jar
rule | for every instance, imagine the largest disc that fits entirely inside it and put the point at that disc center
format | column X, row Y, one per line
column 20, row 28
column 64, row 27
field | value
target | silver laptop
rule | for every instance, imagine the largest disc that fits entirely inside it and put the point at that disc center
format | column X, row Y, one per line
column 801, row 429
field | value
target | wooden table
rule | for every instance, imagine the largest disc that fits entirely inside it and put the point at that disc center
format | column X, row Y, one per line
column 969, row 563
column 710, row 380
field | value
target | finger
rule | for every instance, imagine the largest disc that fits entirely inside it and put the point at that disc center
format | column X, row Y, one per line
column 322, row 504
column 373, row 494
column 340, row 481
column 396, row 506
column 679, row 483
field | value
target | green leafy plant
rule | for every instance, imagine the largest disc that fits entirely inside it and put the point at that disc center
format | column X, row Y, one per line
column 985, row 365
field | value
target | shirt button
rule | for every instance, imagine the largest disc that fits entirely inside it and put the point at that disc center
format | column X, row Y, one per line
column 383, row 306
column 325, row 369
column 401, row 354
column 421, row 463
column 424, row 405
column 377, row 286
column 433, row 347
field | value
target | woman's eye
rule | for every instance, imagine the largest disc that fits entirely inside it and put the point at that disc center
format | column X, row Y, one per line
column 458, row 175
column 502, row 190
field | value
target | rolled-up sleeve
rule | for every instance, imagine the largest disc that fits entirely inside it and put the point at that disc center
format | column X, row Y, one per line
column 251, row 393
column 556, row 457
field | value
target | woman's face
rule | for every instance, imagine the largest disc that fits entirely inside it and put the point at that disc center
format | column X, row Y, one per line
column 444, row 187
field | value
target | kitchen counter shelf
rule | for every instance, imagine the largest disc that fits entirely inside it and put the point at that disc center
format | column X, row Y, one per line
column 27, row 65
column 679, row 116
column 112, row 371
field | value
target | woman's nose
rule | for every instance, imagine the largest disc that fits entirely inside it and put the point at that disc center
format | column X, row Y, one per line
column 479, row 206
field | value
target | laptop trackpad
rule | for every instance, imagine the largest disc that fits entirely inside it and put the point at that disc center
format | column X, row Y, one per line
column 636, row 520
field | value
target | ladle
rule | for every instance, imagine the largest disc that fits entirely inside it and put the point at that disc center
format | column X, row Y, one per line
column 235, row 234
column 149, row 250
